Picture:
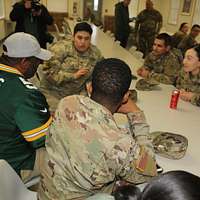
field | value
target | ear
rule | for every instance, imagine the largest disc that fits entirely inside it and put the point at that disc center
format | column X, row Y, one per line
column 22, row 66
column 89, row 88
column 24, row 62
column 125, row 98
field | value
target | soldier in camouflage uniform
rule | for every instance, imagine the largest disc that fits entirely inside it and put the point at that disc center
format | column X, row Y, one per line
column 189, row 78
column 86, row 151
column 161, row 64
column 180, row 34
column 189, row 41
column 71, row 66
column 147, row 26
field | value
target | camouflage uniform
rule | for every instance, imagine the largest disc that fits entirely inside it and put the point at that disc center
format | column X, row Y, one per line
column 164, row 68
column 58, row 80
column 190, row 83
column 148, row 25
column 187, row 43
column 177, row 38
column 87, row 152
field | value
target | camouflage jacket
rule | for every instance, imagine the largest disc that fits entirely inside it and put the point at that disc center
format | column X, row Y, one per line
column 59, row 70
column 87, row 152
column 190, row 83
column 177, row 38
column 164, row 69
column 148, row 22
column 186, row 43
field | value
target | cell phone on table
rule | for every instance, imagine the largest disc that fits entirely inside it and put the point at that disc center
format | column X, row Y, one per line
column 159, row 169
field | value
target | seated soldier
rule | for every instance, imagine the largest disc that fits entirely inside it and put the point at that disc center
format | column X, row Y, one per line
column 189, row 40
column 86, row 151
column 189, row 77
column 161, row 64
column 24, row 115
column 71, row 66
column 180, row 34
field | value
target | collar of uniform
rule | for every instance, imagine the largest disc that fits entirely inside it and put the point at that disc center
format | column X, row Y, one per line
column 9, row 69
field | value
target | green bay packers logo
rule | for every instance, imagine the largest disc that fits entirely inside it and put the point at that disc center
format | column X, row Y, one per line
column 2, row 81
column 27, row 84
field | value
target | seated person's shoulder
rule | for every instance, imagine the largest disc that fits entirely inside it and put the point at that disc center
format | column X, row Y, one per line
column 76, row 102
column 28, row 90
column 95, row 51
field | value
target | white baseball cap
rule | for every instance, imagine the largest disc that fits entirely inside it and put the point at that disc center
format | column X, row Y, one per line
column 22, row 45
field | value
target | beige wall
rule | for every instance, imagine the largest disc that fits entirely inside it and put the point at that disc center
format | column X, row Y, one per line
column 56, row 6
column 165, row 8
column 2, row 28
column 108, row 8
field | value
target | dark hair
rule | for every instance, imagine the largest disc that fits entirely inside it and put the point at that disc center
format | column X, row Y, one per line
column 182, row 25
column 111, row 79
column 195, row 26
column 173, row 185
column 197, row 49
column 166, row 37
column 83, row 26
column 127, row 192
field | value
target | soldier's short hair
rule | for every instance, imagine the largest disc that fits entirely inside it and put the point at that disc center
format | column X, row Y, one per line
column 195, row 26
column 166, row 38
column 111, row 79
column 83, row 26
column 173, row 185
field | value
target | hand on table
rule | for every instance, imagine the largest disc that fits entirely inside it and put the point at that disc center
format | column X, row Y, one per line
column 128, row 107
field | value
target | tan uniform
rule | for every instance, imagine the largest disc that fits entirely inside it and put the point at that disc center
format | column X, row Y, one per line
column 58, row 80
column 87, row 152
column 190, row 83
column 164, row 68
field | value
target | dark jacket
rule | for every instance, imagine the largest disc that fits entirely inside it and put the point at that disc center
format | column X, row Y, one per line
column 121, row 20
column 19, row 13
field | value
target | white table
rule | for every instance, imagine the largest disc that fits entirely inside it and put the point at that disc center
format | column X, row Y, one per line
column 185, row 120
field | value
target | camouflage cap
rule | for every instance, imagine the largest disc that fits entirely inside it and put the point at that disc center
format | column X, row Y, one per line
column 146, row 85
column 133, row 95
column 169, row 145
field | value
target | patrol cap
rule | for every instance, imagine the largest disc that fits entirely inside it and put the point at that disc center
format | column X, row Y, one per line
column 146, row 85
column 169, row 145
column 22, row 45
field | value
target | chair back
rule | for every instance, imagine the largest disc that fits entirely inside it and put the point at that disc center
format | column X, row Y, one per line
column 11, row 186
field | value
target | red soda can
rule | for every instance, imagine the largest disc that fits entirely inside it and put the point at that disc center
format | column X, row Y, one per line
column 174, row 99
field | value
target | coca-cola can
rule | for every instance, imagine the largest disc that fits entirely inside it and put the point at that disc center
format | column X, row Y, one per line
column 174, row 99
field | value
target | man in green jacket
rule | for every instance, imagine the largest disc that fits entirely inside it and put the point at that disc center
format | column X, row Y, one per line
column 24, row 114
